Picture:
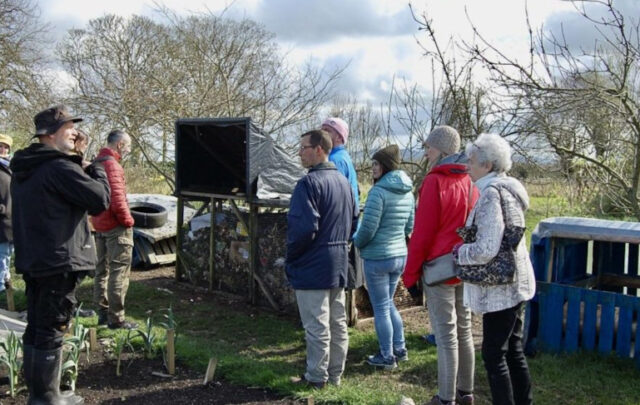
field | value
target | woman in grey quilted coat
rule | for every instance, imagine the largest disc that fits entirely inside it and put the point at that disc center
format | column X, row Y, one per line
column 502, row 306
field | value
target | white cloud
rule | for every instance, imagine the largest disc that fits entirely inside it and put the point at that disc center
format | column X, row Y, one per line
column 374, row 37
column 322, row 21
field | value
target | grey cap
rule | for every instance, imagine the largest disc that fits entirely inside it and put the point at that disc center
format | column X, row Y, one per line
column 444, row 138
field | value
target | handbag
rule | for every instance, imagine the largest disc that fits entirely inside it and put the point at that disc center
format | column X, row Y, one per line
column 501, row 269
column 439, row 270
column 443, row 268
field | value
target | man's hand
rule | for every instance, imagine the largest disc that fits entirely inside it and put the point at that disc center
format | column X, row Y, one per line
column 416, row 293
column 456, row 247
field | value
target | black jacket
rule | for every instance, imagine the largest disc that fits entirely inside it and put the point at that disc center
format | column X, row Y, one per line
column 6, row 233
column 51, row 196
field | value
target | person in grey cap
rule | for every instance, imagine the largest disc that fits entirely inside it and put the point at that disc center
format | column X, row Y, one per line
column 446, row 198
column 54, row 250
column 387, row 220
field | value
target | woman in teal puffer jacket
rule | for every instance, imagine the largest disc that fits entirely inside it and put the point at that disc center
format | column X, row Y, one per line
column 387, row 220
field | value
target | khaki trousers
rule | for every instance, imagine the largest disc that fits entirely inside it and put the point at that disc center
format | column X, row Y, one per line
column 324, row 320
column 451, row 323
column 114, row 249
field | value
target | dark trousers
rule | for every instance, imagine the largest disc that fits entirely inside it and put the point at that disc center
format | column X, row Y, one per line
column 504, row 358
column 51, row 301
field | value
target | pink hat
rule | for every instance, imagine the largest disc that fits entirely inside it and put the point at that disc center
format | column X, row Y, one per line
column 340, row 126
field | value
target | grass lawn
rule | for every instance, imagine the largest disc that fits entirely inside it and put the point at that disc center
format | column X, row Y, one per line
column 258, row 348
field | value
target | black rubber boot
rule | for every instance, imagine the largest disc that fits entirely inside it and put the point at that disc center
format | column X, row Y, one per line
column 42, row 371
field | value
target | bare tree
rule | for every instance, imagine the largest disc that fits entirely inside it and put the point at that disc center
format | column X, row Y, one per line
column 142, row 75
column 23, row 85
column 366, row 131
column 583, row 100
column 456, row 99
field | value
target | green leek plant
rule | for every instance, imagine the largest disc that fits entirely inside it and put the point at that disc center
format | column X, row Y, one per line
column 70, row 368
column 119, row 343
column 74, row 345
column 168, row 323
column 149, row 337
column 11, row 348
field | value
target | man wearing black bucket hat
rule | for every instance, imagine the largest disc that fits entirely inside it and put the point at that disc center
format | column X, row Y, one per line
column 52, row 194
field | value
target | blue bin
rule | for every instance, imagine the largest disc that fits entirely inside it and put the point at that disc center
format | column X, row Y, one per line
column 581, row 303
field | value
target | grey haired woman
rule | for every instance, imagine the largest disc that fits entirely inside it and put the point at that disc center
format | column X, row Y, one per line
column 503, row 305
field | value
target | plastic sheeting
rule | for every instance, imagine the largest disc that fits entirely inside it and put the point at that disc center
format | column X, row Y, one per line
column 276, row 171
column 586, row 228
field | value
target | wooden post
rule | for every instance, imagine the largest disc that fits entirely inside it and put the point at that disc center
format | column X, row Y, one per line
column 171, row 352
column 211, row 370
column 11, row 306
column 550, row 263
column 212, row 243
column 352, row 312
column 179, row 223
column 93, row 339
column 253, row 250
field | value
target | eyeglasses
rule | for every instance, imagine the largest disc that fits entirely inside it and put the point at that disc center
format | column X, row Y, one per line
column 303, row 147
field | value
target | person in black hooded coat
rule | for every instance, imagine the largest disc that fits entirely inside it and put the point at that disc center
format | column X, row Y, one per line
column 52, row 193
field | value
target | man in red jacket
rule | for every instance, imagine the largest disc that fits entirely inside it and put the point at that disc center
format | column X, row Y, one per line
column 114, row 238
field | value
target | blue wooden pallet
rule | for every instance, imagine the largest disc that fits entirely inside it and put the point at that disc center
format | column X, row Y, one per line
column 585, row 310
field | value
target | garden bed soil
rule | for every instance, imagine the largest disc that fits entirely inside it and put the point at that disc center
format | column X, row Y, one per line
column 98, row 384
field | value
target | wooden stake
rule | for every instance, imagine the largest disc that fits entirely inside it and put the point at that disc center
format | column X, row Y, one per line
column 11, row 306
column 211, row 369
column 93, row 339
column 171, row 352
column 310, row 400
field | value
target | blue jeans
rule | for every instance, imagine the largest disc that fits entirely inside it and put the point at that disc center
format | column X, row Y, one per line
column 382, row 279
column 6, row 249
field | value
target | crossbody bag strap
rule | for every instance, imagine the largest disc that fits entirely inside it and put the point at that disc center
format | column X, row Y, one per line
column 507, row 219
column 469, row 199
column 103, row 159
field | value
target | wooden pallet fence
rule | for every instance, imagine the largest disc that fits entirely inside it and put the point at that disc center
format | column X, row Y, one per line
column 573, row 318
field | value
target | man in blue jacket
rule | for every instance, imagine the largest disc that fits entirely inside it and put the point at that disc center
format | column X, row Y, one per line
column 321, row 220
column 338, row 129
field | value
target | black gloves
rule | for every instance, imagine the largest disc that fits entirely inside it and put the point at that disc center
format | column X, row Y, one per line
column 415, row 291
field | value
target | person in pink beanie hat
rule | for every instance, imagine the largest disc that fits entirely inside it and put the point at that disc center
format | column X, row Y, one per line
column 339, row 131
column 339, row 126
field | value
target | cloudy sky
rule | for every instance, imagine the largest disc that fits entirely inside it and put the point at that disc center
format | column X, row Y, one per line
column 375, row 39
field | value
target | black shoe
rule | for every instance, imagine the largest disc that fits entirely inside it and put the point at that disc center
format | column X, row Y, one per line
column 300, row 380
column 86, row 313
column 123, row 325
column 42, row 370
column 103, row 318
